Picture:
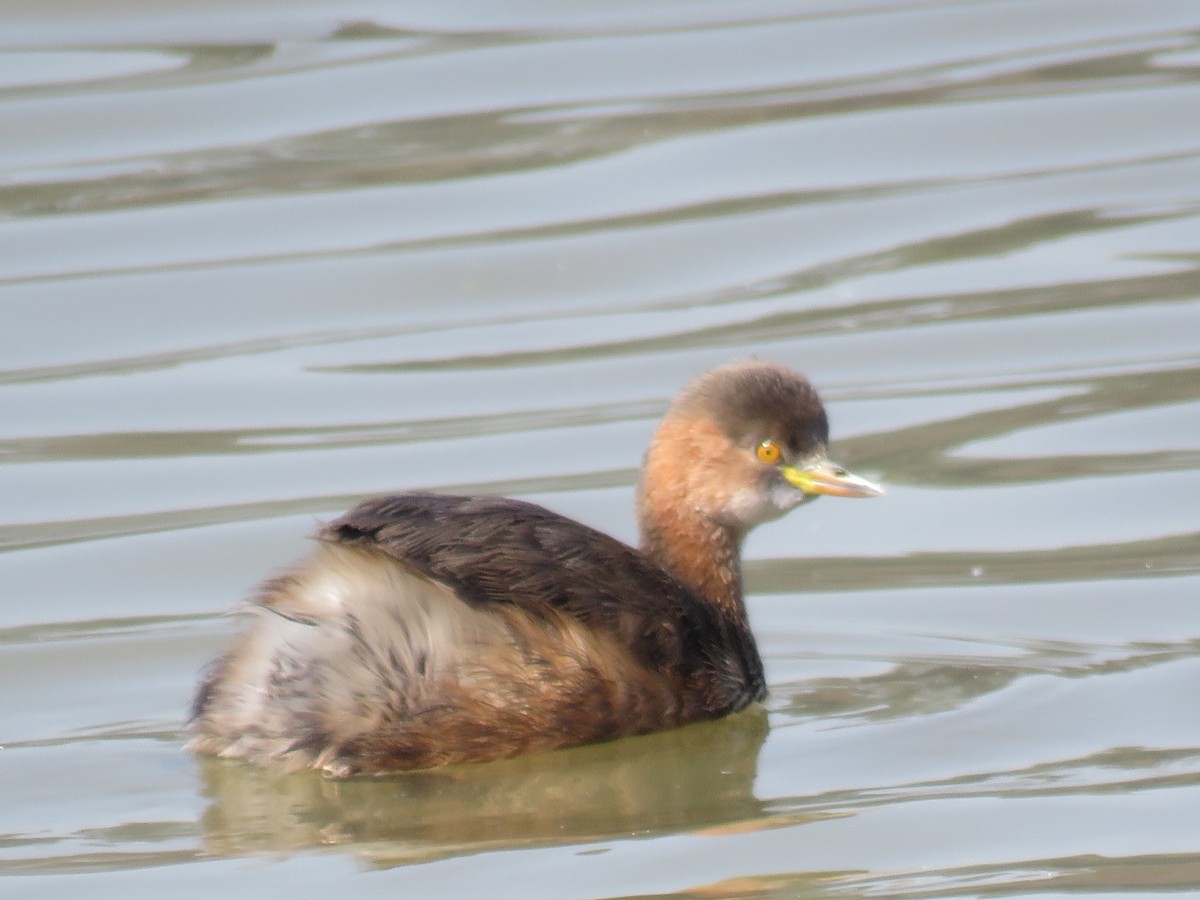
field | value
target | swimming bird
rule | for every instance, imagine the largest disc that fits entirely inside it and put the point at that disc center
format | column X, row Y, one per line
column 427, row 629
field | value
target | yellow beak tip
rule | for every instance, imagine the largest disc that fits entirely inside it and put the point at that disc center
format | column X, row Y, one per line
column 832, row 481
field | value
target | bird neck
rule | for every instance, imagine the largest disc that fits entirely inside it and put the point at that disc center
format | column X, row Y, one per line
column 679, row 512
column 703, row 555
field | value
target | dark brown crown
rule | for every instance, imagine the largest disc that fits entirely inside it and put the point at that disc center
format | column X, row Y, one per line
column 752, row 401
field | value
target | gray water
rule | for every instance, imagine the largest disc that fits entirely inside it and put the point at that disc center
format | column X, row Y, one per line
column 261, row 259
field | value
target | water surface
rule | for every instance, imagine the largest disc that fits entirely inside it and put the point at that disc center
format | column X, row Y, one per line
column 260, row 260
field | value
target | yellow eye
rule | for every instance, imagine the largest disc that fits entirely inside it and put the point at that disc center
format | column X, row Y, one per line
column 768, row 451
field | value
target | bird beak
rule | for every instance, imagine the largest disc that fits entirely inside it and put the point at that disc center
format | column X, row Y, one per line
column 820, row 476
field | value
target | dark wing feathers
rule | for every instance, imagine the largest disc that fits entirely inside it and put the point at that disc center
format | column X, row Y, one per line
column 498, row 550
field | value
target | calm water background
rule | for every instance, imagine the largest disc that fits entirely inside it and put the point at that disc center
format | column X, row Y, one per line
column 260, row 259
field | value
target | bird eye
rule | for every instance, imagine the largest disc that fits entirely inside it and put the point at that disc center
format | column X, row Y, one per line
column 768, row 451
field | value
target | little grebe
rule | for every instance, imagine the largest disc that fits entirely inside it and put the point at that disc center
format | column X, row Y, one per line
column 427, row 630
